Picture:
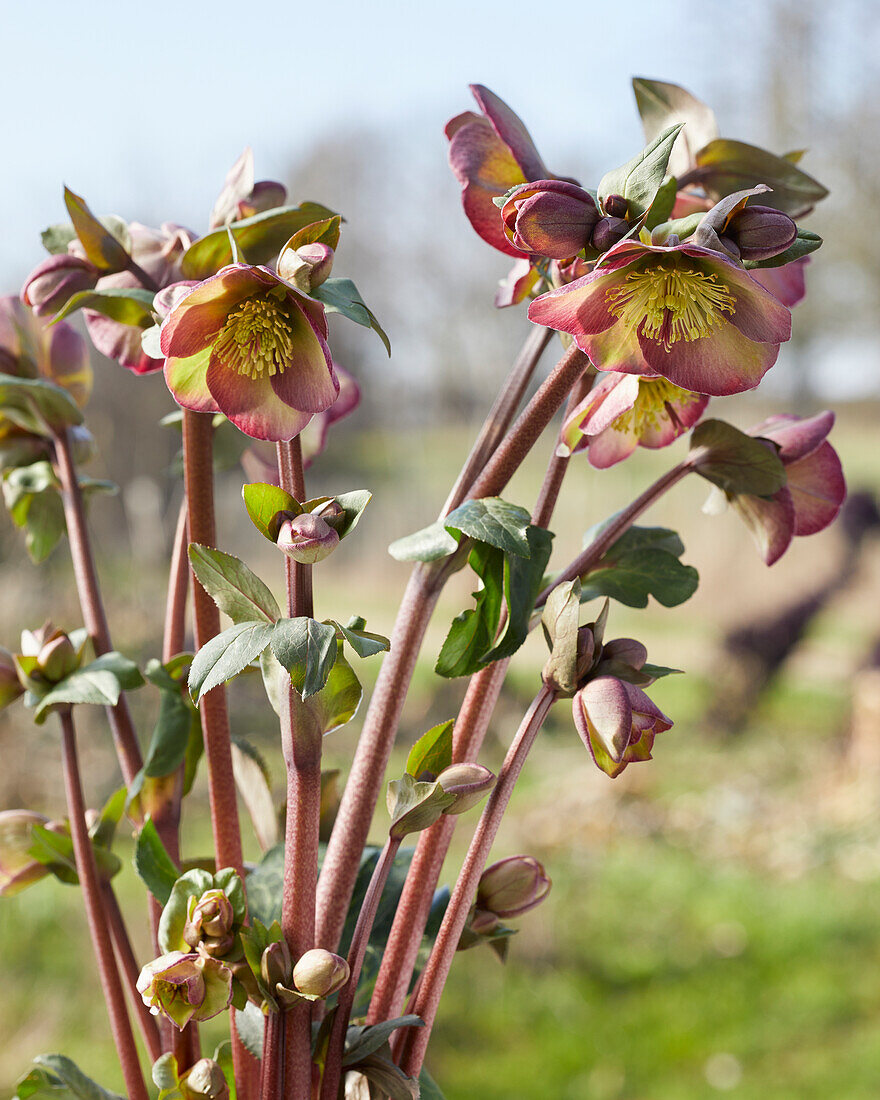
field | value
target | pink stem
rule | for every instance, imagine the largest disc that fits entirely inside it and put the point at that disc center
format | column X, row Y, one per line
column 128, row 964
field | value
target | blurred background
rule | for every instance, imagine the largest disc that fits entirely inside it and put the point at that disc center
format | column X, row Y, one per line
column 714, row 925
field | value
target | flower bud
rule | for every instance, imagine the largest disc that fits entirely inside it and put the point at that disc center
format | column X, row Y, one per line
column 512, row 886
column 10, row 686
column 550, row 218
column 320, row 973
column 185, row 987
column 332, row 512
column 470, row 783
column 760, row 232
column 265, row 195
column 306, row 538
column 482, row 922
column 205, row 1081
column 17, row 868
column 209, row 922
column 608, row 232
column 276, row 965
column 615, row 206
column 55, row 280
column 58, row 658
column 306, row 267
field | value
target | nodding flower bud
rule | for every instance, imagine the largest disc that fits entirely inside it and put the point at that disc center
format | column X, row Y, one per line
column 55, row 280
column 320, row 973
column 276, row 965
column 209, row 922
column 608, row 232
column 550, row 218
column 306, row 267
column 18, row 868
column 205, row 1081
column 470, row 783
column 759, row 232
column 306, row 538
column 47, row 656
column 615, row 206
column 185, row 987
column 512, row 886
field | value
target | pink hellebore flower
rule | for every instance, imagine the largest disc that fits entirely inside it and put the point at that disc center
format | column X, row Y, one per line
column 813, row 494
column 489, row 154
column 625, row 411
column 685, row 312
column 246, row 344
column 787, row 283
column 617, row 722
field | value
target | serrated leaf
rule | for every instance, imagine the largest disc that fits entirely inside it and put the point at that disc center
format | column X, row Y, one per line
column 226, row 655
column 631, row 577
column 429, row 544
column 127, row 305
column 432, row 752
column 493, row 521
column 263, row 503
column 154, row 866
column 734, row 461
column 363, row 642
column 307, row 649
column 250, row 1025
column 235, row 589
column 37, row 405
column 473, row 631
column 99, row 683
column 523, row 580
column 639, row 180
column 342, row 296
column 99, row 244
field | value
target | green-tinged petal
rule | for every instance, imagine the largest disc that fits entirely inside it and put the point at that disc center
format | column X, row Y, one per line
column 186, row 378
column 253, row 406
column 771, row 522
column 308, row 383
column 758, row 314
column 580, row 308
column 195, row 322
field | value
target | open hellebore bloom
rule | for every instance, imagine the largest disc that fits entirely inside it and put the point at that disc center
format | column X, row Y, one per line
column 552, row 218
column 617, row 722
column 625, row 411
column 245, row 343
column 185, row 987
column 813, row 494
column 687, row 313
column 490, row 153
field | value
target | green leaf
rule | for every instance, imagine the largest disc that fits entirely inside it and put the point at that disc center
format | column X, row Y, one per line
column 37, row 405
column 265, row 885
column 55, row 1077
column 735, row 462
column 724, row 167
column 100, row 684
column 260, row 238
column 32, row 496
column 307, row 649
column 342, row 296
column 661, row 105
column 353, row 505
column 657, row 672
column 805, row 243
column 153, row 864
column 363, row 1041
column 473, row 631
column 56, row 238
column 226, row 655
column 429, row 544
column 127, row 305
column 361, row 641
column 250, row 1025
column 640, row 538
column 171, row 734
column 493, row 521
column 254, row 786
column 238, row 592
column 523, row 580
column 264, row 502
column 663, row 203
column 101, row 246
column 640, row 178
column 432, row 752
column 633, row 576
column 429, row 1089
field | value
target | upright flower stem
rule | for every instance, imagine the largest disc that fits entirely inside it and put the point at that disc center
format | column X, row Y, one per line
column 436, row 971
column 94, row 617
column 301, row 746
column 97, row 918
column 174, row 635
column 383, row 716
column 359, row 941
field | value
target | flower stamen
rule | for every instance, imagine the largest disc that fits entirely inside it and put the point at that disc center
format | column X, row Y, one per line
column 256, row 338
column 669, row 304
column 657, row 400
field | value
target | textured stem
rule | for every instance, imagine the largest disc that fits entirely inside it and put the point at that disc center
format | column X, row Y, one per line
column 440, row 961
column 359, row 940
column 97, row 919
column 128, row 964
column 174, row 635
column 272, row 1064
column 94, row 616
column 186, row 1046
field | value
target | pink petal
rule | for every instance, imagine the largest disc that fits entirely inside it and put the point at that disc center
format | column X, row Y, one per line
column 512, row 131
column 645, row 708
column 521, row 280
column 796, row 438
column 757, row 313
column 186, row 378
column 818, row 489
column 787, row 283
column 612, row 446
column 195, row 322
column 120, row 342
column 614, row 395
column 308, row 383
column 771, row 522
column 252, row 404
column 628, row 650
column 724, row 363
column 579, row 308
column 606, row 704
column 665, row 430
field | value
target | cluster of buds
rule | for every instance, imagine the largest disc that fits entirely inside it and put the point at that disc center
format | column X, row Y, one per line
column 311, row 536
column 18, row 868
column 560, row 220
column 210, row 923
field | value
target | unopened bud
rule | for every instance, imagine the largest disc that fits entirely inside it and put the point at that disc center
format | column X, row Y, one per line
column 10, row 686
column 276, row 965
column 306, row 538
column 482, row 922
column 265, row 195
column 761, row 232
column 550, row 218
column 205, row 1081
column 332, row 512
column 57, row 658
column 512, row 886
column 608, row 232
column 320, row 973
column 210, row 922
column 307, row 266
column 470, row 783
column 18, row 869
column 615, row 206
column 55, row 280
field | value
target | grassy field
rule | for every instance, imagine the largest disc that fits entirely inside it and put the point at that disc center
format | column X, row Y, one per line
column 714, row 924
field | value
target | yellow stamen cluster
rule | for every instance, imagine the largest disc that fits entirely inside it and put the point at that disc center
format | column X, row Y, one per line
column 667, row 304
column 657, row 400
column 255, row 338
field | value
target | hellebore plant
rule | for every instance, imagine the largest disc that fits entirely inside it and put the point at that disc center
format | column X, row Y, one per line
column 670, row 285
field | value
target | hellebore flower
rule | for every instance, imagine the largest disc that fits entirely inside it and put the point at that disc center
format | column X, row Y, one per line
column 512, row 886
column 210, row 922
column 56, row 279
column 550, row 218
column 320, row 973
column 813, row 494
column 617, row 722
column 245, row 343
column 489, row 154
column 787, row 283
column 31, row 348
column 185, row 987
column 47, row 656
column 18, row 868
column 625, row 411
column 688, row 313
column 306, row 538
